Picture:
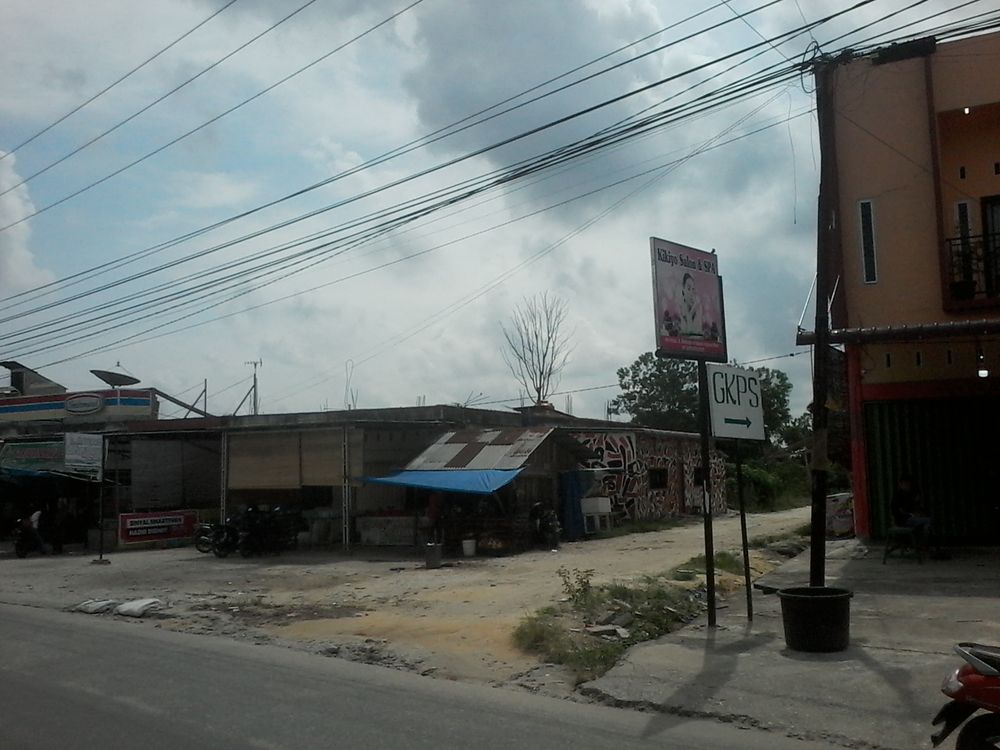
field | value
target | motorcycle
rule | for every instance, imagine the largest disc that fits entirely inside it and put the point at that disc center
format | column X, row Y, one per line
column 225, row 538
column 972, row 687
column 268, row 532
column 26, row 538
column 204, row 536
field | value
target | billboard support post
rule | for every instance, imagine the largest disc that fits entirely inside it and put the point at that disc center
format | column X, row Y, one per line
column 101, row 559
column 706, row 486
column 743, row 530
column 690, row 323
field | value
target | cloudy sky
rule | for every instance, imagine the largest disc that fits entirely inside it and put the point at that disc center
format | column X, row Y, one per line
column 205, row 212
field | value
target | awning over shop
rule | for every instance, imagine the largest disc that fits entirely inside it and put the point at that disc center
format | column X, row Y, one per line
column 473, row 481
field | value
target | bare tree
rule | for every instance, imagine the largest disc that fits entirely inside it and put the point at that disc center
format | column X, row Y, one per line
column 537, row 347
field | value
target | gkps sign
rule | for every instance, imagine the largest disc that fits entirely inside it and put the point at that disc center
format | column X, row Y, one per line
column 735, row 403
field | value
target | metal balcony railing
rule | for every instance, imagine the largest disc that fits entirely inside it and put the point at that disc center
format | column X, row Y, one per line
column 974, row 267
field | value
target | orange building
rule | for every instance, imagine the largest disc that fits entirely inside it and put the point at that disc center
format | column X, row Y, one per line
column 910, row 243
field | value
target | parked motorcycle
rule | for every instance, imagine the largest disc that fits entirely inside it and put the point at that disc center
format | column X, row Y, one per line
column 972, row 687
column 225, row 538
column 26, row 538
column 204, row 536
column 268, row 532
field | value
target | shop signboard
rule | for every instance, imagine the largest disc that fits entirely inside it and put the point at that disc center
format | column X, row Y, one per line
column 687, row 302
column 37, row 456
column 151, row 527
column 735, row 403
column 85, row 453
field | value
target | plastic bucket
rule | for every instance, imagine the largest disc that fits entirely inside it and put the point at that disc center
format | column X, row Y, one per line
column 434, row 555
column 816, row 618
column 469, row 547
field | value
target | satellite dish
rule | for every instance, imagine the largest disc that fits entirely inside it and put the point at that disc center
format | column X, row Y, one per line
column 115, row 379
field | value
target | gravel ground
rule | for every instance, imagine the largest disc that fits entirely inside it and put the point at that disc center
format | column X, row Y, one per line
column 378, row 606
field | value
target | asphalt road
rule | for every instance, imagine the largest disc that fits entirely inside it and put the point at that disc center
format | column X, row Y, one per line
column 77, row 681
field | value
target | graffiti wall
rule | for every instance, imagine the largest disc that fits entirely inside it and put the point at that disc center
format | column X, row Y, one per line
column 651, row 475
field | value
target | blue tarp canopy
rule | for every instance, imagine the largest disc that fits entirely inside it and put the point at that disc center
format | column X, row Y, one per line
column 473, row 481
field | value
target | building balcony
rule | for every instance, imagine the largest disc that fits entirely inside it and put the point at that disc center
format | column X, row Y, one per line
column 973, row 267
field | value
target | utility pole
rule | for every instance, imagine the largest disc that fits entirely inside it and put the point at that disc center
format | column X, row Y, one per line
column 256, row 401
column 826, row 242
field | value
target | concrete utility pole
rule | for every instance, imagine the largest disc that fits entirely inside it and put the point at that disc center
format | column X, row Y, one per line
column 826, row 242
column 256, row 401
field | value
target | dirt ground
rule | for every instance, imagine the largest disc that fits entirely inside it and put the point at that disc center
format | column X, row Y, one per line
column 453, row 622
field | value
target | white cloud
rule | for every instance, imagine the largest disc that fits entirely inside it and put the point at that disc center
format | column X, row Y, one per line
column 438, row 63
column 198, row 190
column 18, row 268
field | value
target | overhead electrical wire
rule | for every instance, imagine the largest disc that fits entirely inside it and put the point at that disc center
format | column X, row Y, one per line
column 138, row 337
column 527, row 172
column 658, row 174
column 153, row 103
column 421, row 142
column 519, row 171
column 106, row 89
column 451, row 162
column 188, row 133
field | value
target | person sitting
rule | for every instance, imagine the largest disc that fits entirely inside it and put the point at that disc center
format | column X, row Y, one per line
column 908, row 510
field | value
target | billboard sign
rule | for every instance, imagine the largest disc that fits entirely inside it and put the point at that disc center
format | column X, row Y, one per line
column 85, row 453
column 735, row 403
column 687, row 302
column 38, row 456
column 150, row 527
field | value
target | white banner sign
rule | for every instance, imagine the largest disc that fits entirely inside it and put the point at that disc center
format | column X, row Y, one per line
column 84, row 453
column 736, row 406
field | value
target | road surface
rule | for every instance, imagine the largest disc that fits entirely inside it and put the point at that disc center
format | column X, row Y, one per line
column 77, row 681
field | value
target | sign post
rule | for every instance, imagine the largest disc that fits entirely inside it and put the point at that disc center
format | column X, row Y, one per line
column 90, row 453
column 738, row 412
column 689, row 320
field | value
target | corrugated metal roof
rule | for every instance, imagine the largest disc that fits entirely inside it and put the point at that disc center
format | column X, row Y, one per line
column 508, row 448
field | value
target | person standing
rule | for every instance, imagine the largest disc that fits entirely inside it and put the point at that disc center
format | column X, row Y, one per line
column 435, row 512
column 36, row 519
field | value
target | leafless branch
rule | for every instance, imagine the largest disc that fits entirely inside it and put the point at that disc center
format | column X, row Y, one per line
column 537, row 349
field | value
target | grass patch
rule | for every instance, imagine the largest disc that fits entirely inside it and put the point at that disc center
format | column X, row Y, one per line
column 644, row 609
column 760, row 542
column 643, row 527
column 541, row 633
column 726, row 561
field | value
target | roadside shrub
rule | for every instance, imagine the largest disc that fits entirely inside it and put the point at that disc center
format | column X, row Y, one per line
column 652, row 607
column 577, row 586
column 541, row 633
column 769, row 485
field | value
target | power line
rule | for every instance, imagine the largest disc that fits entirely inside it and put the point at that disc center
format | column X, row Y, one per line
column 398, row 339
column 552, row 159
column 114, row 83
column 399, row 151
column 149, row 106
column 138, row 338
column 73, row 337
column 558, row 393
column 558, row 153
column 422, row 173
column 769, row 359
column 742, row 17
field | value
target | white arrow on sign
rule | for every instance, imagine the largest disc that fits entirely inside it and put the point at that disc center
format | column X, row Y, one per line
column 736, row 406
